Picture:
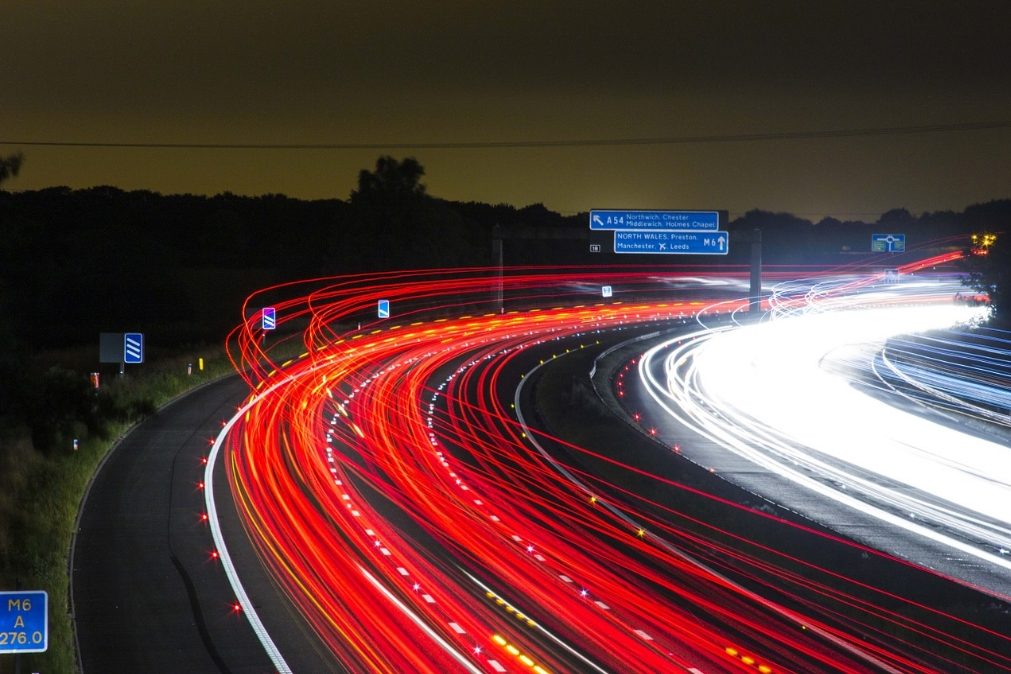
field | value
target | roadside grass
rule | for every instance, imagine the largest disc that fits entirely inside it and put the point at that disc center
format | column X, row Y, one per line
column 40, row 495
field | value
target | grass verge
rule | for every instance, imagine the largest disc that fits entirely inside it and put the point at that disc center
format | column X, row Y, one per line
column 40, row 495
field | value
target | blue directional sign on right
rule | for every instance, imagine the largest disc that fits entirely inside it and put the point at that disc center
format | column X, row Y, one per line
column 664, row 242
column 888, row 243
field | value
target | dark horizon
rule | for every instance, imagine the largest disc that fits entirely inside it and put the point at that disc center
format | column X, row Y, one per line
column 757, row 88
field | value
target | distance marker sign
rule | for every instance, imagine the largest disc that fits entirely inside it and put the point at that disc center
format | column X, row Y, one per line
column 24, row 621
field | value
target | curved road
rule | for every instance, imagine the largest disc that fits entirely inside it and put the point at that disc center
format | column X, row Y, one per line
column 146, row 593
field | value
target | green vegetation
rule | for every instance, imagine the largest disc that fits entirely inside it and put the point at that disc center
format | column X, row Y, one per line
column 41, row 488
column 988, row 262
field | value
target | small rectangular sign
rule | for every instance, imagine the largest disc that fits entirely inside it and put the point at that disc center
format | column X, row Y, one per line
column 110, row 347
column 268, row 318
column 888, row 243
column 24, row 621
column 133, row 348
column 672, row 243
column 383, row 310
column 606, row 291
column 682, row 221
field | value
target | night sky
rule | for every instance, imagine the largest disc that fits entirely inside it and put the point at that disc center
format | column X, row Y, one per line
column 326, row 72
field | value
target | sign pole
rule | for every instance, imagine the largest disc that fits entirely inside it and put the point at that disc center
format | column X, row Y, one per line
column 17, row 656
column 497, row 260
column 756, row 272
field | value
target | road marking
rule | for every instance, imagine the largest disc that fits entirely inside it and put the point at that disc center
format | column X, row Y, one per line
column 467, row 664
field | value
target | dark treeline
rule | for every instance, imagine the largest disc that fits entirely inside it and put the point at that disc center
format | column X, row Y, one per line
column 77, row 262
column 789, row 239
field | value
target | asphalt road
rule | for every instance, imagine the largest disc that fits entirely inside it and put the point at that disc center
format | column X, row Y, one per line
column 146, row 594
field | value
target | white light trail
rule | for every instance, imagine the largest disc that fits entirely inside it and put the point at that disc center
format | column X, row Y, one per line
column 780, row 393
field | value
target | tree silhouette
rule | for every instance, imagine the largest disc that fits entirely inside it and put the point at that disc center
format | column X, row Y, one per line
column 391, row 181
column 390, row 207
column 10, row 165
column 990, row 272
column 897, row 217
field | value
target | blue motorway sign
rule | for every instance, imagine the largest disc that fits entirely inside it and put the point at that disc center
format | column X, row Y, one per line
column 674, row 220
column 383, row 309
column 133, row 348
column 24, row 621
column 888, row 243
column 268, row 318
column 672, row 243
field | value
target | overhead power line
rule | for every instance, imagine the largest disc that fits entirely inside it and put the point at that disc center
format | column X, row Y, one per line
column 590, row 142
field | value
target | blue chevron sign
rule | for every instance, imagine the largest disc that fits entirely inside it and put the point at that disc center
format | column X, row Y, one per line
column 268, row 318
column 133, row 348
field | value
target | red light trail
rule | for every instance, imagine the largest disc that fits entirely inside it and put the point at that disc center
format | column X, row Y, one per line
column 387, row 484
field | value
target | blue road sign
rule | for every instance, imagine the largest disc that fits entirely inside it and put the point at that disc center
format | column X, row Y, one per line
column 606, row 291
column 268, row 318
column 692, row 221
column 888, row 243
column 383, row 310
column 24, row 621
column 133, row 348
column 672, row 243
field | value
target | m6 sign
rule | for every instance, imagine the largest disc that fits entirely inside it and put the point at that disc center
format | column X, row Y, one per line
column 24, row 621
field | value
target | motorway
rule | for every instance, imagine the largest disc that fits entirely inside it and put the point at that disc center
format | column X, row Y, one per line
column 395, row 498
column 146, row 594
column 805, row 397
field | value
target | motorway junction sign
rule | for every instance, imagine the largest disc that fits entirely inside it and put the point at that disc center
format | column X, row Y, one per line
column 673, row 220
column 888, row 243
column 24, row 621
column 672, row 242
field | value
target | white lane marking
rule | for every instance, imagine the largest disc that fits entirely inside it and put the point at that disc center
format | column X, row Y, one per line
column 219, row 542
column 467, row 664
